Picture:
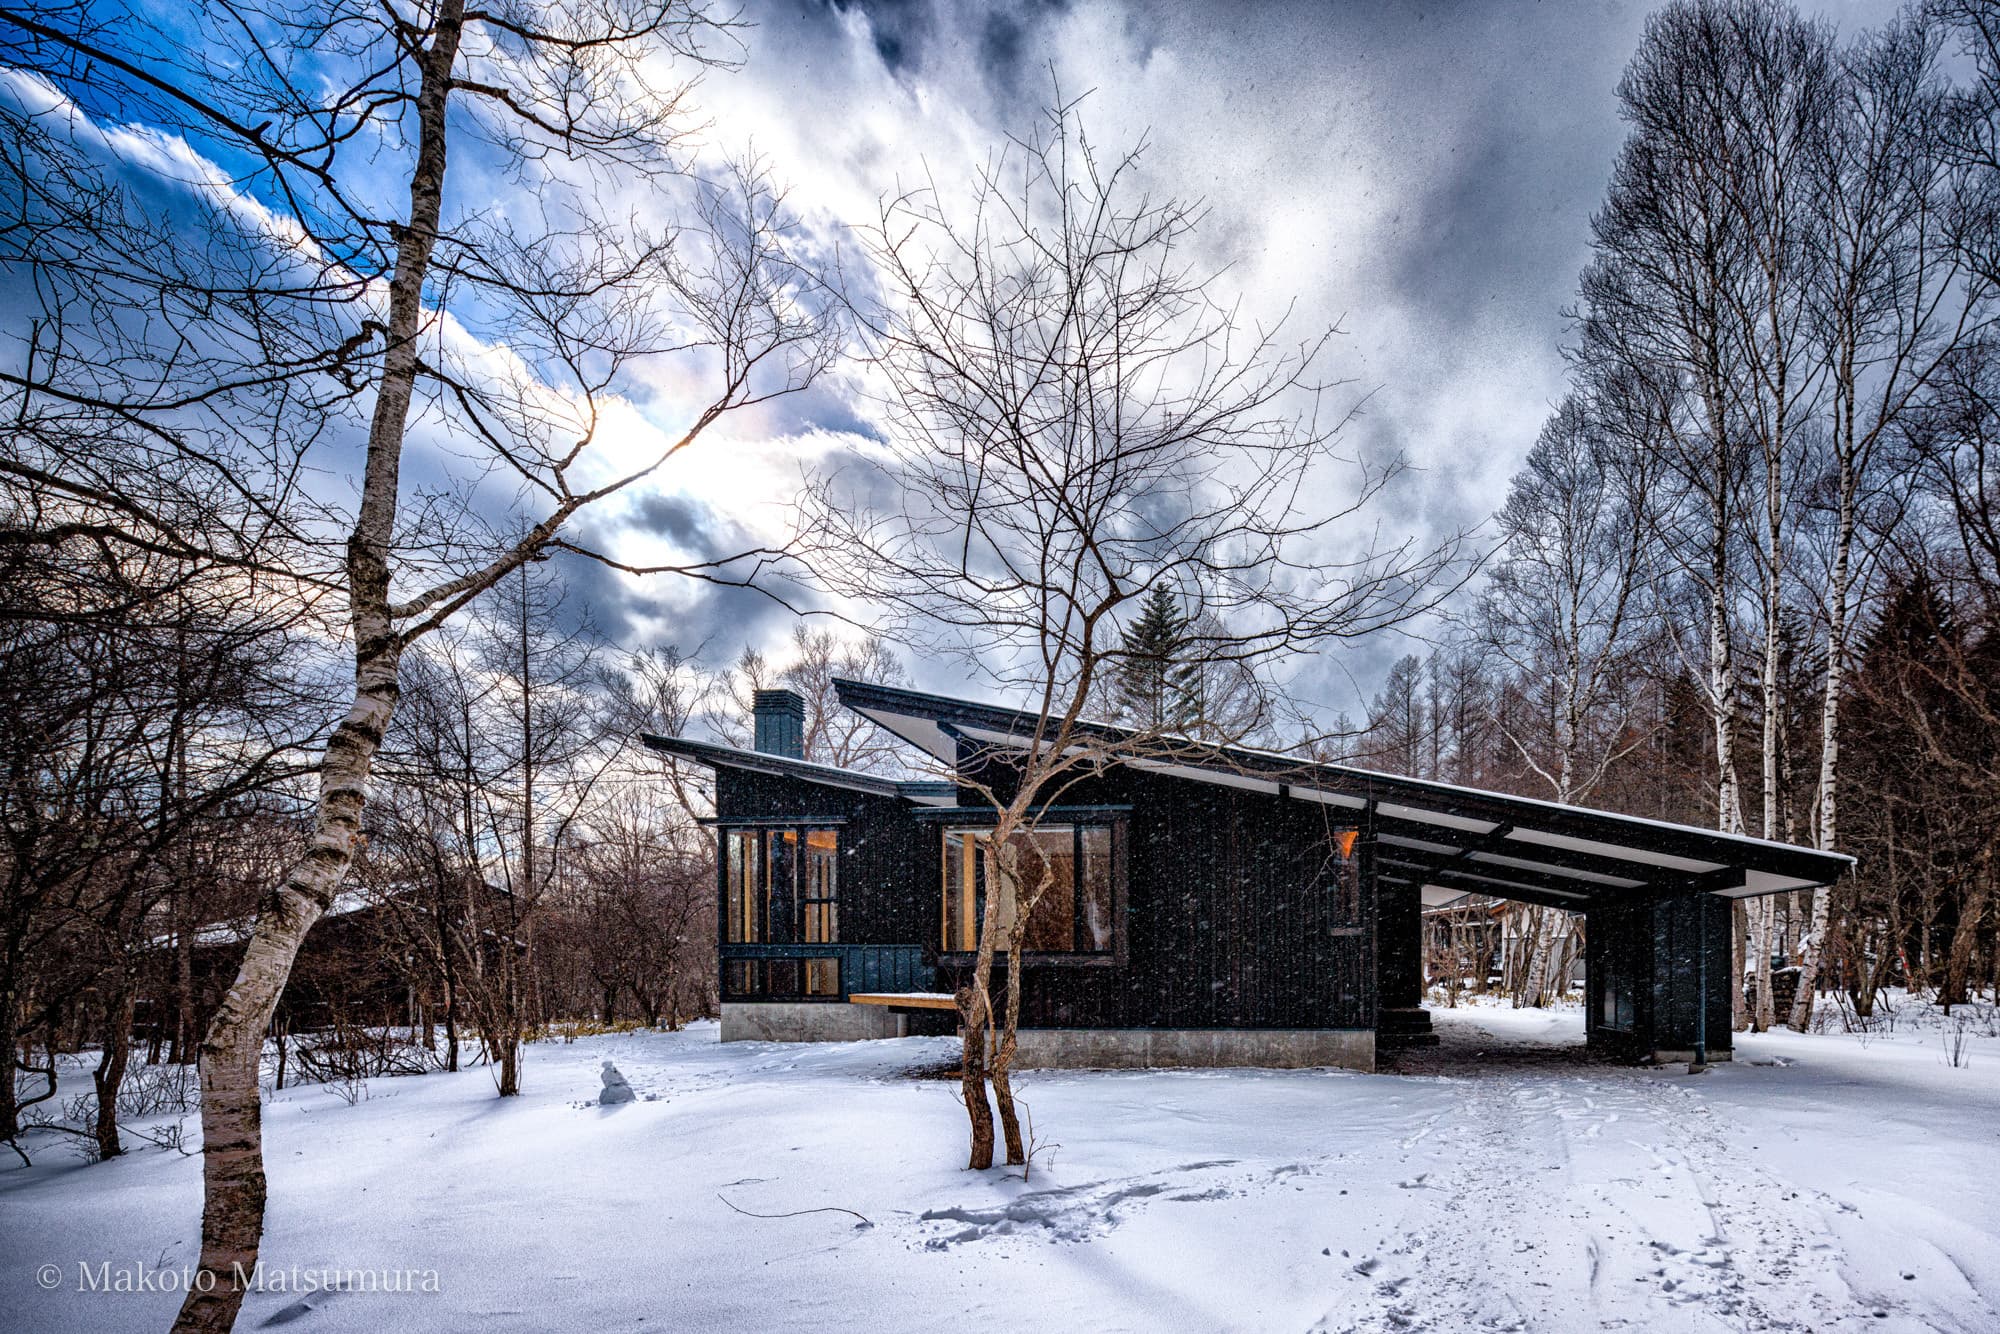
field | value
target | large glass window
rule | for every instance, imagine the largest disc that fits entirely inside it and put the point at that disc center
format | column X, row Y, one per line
column 821, row 888
column 820, row 900
column 741, row 917
column 1061, row 875
column 781, row 886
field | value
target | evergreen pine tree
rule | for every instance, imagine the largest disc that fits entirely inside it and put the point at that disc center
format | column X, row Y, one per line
column 1156, row 686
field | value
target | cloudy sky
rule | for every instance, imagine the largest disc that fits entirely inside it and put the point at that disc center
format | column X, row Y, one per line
column 1421, row 173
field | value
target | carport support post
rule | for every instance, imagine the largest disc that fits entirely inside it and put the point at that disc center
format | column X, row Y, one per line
column 1699, row 1065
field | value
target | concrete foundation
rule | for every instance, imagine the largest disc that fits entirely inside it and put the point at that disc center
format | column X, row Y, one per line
column 1683, row 1057
column 808, row 1021
column 1142, row 1048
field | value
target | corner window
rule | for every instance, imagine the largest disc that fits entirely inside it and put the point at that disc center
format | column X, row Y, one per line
column 1062, row 876
column 781, row 886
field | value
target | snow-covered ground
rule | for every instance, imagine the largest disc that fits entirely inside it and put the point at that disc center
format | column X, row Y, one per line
column 1821, row 1182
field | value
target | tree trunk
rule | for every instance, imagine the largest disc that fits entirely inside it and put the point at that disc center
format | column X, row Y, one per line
column 1003, row 1057
column 109, row 1077
column 11, row 958
column 510, row 1065
column 1828, row 825
column 972, row 1076
column 232, row 1218
column 1965, row 936
column 1761, row 912
column 1535, row 989
column 185, row 1034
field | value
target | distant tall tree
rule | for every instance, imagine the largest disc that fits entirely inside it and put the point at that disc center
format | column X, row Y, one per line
column 1704, row 288
column 1927, row 744
column 1566, row 608
column 1658, row 305
column 1398, row 723
column 1461, row 714
column 1154, row 677
column 1567, row 605
column 1894, row 297
column 546, row 734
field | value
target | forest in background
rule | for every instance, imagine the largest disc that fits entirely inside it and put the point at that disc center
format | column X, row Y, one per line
column 1750, row 574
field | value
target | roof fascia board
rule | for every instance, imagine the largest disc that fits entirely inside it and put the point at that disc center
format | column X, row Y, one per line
column 776, row 766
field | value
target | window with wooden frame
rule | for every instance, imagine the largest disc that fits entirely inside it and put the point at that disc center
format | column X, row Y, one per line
column 1064, row 876
column 742, row 908
column 781, row 886
column 820, row 903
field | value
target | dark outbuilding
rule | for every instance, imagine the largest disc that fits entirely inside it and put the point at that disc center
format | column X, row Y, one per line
column 1214, row 905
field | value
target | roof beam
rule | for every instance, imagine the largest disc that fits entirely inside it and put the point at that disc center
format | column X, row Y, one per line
column 1540, row 898
column 1495, row 880
column 1486, row 842
column 1709, row 882
column 1527, row 852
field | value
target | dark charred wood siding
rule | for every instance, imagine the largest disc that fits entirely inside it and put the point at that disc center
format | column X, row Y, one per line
column 886, row 867
column 1238, row 913
column 1658, row 949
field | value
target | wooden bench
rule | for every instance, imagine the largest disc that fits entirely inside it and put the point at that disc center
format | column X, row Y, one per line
column 906, row 1000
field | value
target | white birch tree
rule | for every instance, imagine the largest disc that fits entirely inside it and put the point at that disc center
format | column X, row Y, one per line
column 341, row 286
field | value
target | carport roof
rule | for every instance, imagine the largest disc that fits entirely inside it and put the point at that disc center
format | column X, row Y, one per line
column 1428, row 835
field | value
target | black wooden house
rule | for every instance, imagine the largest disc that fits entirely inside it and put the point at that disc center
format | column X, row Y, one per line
column 1212, row 906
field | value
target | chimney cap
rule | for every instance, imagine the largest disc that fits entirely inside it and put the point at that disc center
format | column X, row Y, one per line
column 778, row 701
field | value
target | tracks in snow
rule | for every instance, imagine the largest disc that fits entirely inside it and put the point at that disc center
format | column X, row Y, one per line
column 1616, row 1200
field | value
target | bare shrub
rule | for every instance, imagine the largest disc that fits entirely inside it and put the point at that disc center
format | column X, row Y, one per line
column 347, row 1056
column 1957, row 1043
column 159, row 1090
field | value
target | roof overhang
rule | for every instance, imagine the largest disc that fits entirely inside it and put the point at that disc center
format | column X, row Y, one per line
column 716, row 756
column 1438, row 838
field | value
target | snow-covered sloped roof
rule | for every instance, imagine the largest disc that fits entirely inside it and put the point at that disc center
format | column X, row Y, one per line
column 1427, row 834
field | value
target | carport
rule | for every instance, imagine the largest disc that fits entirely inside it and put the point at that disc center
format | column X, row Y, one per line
column 1656, row 900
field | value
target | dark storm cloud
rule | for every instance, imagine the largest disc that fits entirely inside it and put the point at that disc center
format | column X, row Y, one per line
column 906, row 33
column 715, row 619
column 683, row 520
column 902, row 29
column 602, row 604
